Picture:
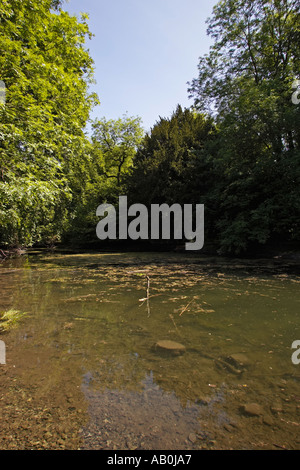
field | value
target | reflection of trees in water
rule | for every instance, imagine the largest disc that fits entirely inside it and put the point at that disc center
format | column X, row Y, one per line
column 10, row 282
column 149, row 418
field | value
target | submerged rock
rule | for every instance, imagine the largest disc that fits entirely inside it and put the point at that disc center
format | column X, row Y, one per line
column 252, row 409
column 170, row 347
column 235, row 363
column 276, row 408
column 226, row 366
column 239, row 360
column 192, row 437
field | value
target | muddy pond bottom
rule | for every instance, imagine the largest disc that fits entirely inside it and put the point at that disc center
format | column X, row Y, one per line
column 149, row 351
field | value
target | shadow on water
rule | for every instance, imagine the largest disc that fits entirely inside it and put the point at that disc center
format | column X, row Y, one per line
column 149, row 351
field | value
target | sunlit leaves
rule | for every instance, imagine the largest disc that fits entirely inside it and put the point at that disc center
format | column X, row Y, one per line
column 47, row 71
column 115, row 143
column 246, row 82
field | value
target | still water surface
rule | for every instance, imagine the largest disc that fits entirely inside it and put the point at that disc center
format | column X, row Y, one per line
column 83, row 371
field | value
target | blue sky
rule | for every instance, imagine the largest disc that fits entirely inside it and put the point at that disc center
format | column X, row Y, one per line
column 145, row 52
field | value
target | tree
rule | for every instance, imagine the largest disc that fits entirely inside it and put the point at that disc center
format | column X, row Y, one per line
column 257, row 40
column 115, row 142
column 165, row 162
column 103, row 173
column 246, row 83
column 47, row 71
column 175, row 163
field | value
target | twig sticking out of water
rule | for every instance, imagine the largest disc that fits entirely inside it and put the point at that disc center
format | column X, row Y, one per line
column 148, row 286
column 172, row 318
column 185, row 308
column 147, row 298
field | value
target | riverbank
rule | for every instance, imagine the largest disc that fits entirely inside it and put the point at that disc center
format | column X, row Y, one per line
column 7, row 253
column 272, row 264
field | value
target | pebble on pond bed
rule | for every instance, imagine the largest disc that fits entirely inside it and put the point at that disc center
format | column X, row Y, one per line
column 170, row 347
column 252, row 409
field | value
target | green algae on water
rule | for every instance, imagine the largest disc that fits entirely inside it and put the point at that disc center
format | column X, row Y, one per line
column 10, row 319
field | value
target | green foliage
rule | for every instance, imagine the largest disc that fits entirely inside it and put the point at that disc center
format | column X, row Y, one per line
column 176, row 163
column 30, row 211
column 246, row 82
column 243, row 162
column 102, row 176
column 9, row 319
column 46, row 70
column 165, row 161
column 256, row 41
column 236, row 151
column 115, row 143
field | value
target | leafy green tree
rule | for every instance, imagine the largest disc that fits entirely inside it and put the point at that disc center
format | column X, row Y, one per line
column 175, row 164
column 115, row 142
column 165, row 161
column 47, row 71
column 256, row 42
column 106, row 166
column 246, row 83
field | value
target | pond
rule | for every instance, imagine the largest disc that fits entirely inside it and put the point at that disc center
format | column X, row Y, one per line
column 149, row 351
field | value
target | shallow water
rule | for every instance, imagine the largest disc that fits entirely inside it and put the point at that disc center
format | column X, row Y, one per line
column 82, row 370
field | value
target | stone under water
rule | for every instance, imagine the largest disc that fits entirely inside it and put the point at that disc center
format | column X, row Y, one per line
column 168, row 346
